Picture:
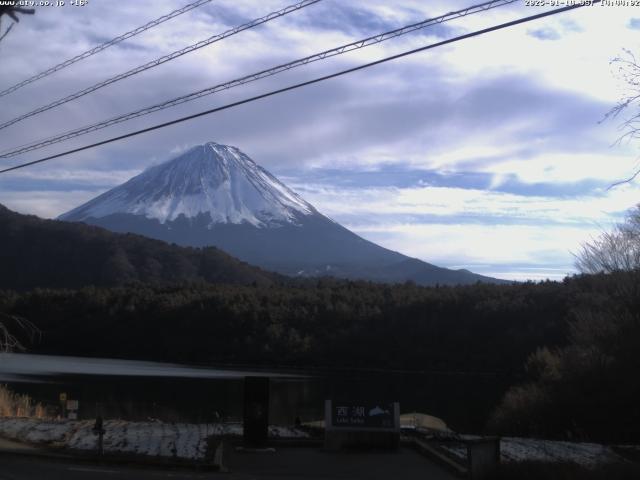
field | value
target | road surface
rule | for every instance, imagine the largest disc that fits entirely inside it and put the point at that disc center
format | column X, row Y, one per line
column 20, row 467
column 285, row 463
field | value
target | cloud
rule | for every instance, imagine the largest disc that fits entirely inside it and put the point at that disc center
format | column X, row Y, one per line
column 33, row 183
column 516, row 252
column 556, row 29
column 634, row 24
column 569, row 25
column 46, row 204
column 494, row 233
column 446, row 204
column 546, row 33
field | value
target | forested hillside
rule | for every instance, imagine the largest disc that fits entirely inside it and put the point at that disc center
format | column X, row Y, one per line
column 486, row 328
column 50, row 253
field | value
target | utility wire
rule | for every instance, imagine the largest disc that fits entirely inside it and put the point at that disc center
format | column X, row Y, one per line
column 104, row 46
column 164, row 59
column 304, row 84
column 256, row 76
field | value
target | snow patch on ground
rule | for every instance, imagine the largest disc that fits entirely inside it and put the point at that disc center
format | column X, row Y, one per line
column 177, row 440
column 514, row 449
column 586, row 454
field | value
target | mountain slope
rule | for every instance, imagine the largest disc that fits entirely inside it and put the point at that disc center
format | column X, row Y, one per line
column 49, row 253
column 216, row 180
column 216, row 195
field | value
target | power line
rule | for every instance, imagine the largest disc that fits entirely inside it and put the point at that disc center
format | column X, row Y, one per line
column 257, row 76
column 303, row 84
column 164, row 59
column 104, row 46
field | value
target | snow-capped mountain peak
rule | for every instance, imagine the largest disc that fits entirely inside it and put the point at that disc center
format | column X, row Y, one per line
column 215, row 196
column 210, row 179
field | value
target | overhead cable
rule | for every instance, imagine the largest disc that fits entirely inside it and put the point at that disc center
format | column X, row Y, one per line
column 256, row 76
column 163, row 59
column 104, row 46
column 302, row 84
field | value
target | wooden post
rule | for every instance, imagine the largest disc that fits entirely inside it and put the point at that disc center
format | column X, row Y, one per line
column 99, row 430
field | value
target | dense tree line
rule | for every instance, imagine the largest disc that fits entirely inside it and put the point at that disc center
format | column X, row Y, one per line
column 485, row 328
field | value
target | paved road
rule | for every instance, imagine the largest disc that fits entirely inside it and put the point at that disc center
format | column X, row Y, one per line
column 19, row 467
column 284, row 464
column 312, row 463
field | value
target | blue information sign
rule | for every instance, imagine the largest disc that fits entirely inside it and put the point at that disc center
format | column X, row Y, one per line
column 363, row 414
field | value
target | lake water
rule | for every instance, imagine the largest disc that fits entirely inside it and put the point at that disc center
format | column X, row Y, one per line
column 136, row 390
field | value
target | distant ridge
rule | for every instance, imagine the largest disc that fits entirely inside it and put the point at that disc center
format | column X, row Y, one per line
column 49, row 253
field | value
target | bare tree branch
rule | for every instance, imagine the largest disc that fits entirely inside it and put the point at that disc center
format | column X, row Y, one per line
column 11, row 323
column 6, row 31
column 11, row 11
column 618, row 250
column 622, row 182
column 627, row 70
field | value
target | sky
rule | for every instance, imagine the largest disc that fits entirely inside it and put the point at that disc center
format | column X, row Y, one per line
column 490, row 154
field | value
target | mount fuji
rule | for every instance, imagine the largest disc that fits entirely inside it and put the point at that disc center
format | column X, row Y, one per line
column 215, row 195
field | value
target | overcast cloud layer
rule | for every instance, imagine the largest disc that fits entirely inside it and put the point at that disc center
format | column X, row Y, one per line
column 487, row 154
